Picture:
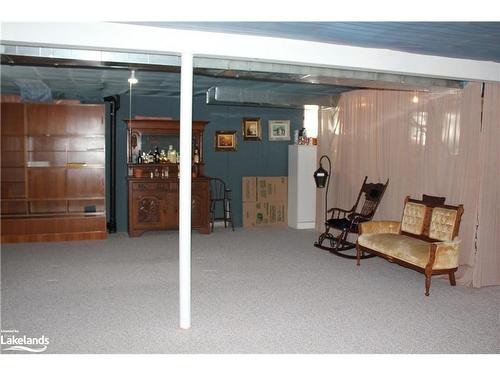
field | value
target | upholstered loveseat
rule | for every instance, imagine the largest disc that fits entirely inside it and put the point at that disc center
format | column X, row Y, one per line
column 425, row 239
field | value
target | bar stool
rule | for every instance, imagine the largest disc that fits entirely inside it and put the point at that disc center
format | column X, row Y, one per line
column 220, row 194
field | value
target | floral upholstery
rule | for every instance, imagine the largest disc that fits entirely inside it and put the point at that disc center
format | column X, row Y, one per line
column 442, row 224
column 413, row 218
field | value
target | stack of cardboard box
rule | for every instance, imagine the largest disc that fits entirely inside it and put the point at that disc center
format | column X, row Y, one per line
column 265, row 201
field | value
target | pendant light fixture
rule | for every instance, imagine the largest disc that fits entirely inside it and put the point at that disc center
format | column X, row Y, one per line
column 132, row 79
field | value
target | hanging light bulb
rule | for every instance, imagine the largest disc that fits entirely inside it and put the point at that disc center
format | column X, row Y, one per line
column 132, row 80
column 415, row 99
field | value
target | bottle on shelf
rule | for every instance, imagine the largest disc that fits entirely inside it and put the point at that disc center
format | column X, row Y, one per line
column 171, row 154
column 163, row 156
column 157, row 155
column 196, row 156
column 151, row 157
column 140, row 159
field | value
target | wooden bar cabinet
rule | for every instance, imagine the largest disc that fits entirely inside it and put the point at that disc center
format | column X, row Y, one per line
column 153, row 185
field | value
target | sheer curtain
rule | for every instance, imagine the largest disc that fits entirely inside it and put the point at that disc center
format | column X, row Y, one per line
column 423, row 142
column 487, row 266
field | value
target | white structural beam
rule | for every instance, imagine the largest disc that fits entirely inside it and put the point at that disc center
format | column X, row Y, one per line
column 136, row 38
column 186, row 133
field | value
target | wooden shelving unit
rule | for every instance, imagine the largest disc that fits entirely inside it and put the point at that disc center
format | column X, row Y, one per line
column 53, row 172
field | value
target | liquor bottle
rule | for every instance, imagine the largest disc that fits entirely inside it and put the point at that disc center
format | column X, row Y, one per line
column 157, row 155
column 151, row 157
column 163, row 156
column 140, row 160
column 196, row 157
column 172, row 155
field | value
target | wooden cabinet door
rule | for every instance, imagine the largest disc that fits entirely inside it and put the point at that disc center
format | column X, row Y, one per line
column 65, row 119
column 46, row 119
column 12, row 119
column 173, row 210
column 200, row 204
column 149, row 212
column 85, row 182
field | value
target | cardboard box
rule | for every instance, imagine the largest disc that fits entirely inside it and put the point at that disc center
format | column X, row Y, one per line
column 272, row 189
column 264, row 214
column 249, row 191
column 249, row 214
column 265, row 201
column 261, row 213
column 276, row 214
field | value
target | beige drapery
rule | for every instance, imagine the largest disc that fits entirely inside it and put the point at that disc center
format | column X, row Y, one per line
column 487, row 265
column 428, row 143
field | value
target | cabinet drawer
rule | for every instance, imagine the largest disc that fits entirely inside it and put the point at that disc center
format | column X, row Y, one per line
column 152, row 186
column 144, row 186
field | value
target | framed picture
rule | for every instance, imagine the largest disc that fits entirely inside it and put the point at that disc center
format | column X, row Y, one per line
column 225, row 140
column 279, row 130
column 251, row 129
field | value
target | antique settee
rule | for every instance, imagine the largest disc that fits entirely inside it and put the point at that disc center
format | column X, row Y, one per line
column 425, row 239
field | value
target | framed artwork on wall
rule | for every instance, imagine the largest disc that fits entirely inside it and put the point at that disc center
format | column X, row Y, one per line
column 225, row 140
column 252, row 130
column 279, row 130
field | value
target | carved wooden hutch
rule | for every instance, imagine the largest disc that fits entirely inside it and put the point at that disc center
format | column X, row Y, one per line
column 153, row 188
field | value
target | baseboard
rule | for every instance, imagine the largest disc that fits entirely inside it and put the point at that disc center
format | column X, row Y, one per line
column 47, row 237
column 304, row 225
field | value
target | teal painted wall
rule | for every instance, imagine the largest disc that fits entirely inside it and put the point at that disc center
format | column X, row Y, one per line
column 253, row 158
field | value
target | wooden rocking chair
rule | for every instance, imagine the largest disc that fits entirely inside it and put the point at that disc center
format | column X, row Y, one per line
column 346, row 221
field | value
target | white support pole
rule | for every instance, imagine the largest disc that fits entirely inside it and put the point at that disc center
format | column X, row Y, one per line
column 186, row 131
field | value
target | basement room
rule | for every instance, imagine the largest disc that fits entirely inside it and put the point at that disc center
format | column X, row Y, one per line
column 250, row 188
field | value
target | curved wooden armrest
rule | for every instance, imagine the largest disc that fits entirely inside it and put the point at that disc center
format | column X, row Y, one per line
column 338, row 211
column 357, row 218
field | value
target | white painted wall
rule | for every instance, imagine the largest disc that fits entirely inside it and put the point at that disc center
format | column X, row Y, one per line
column 120, row 37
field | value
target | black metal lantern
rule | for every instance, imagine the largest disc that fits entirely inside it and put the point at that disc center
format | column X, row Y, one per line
column 322, row 179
